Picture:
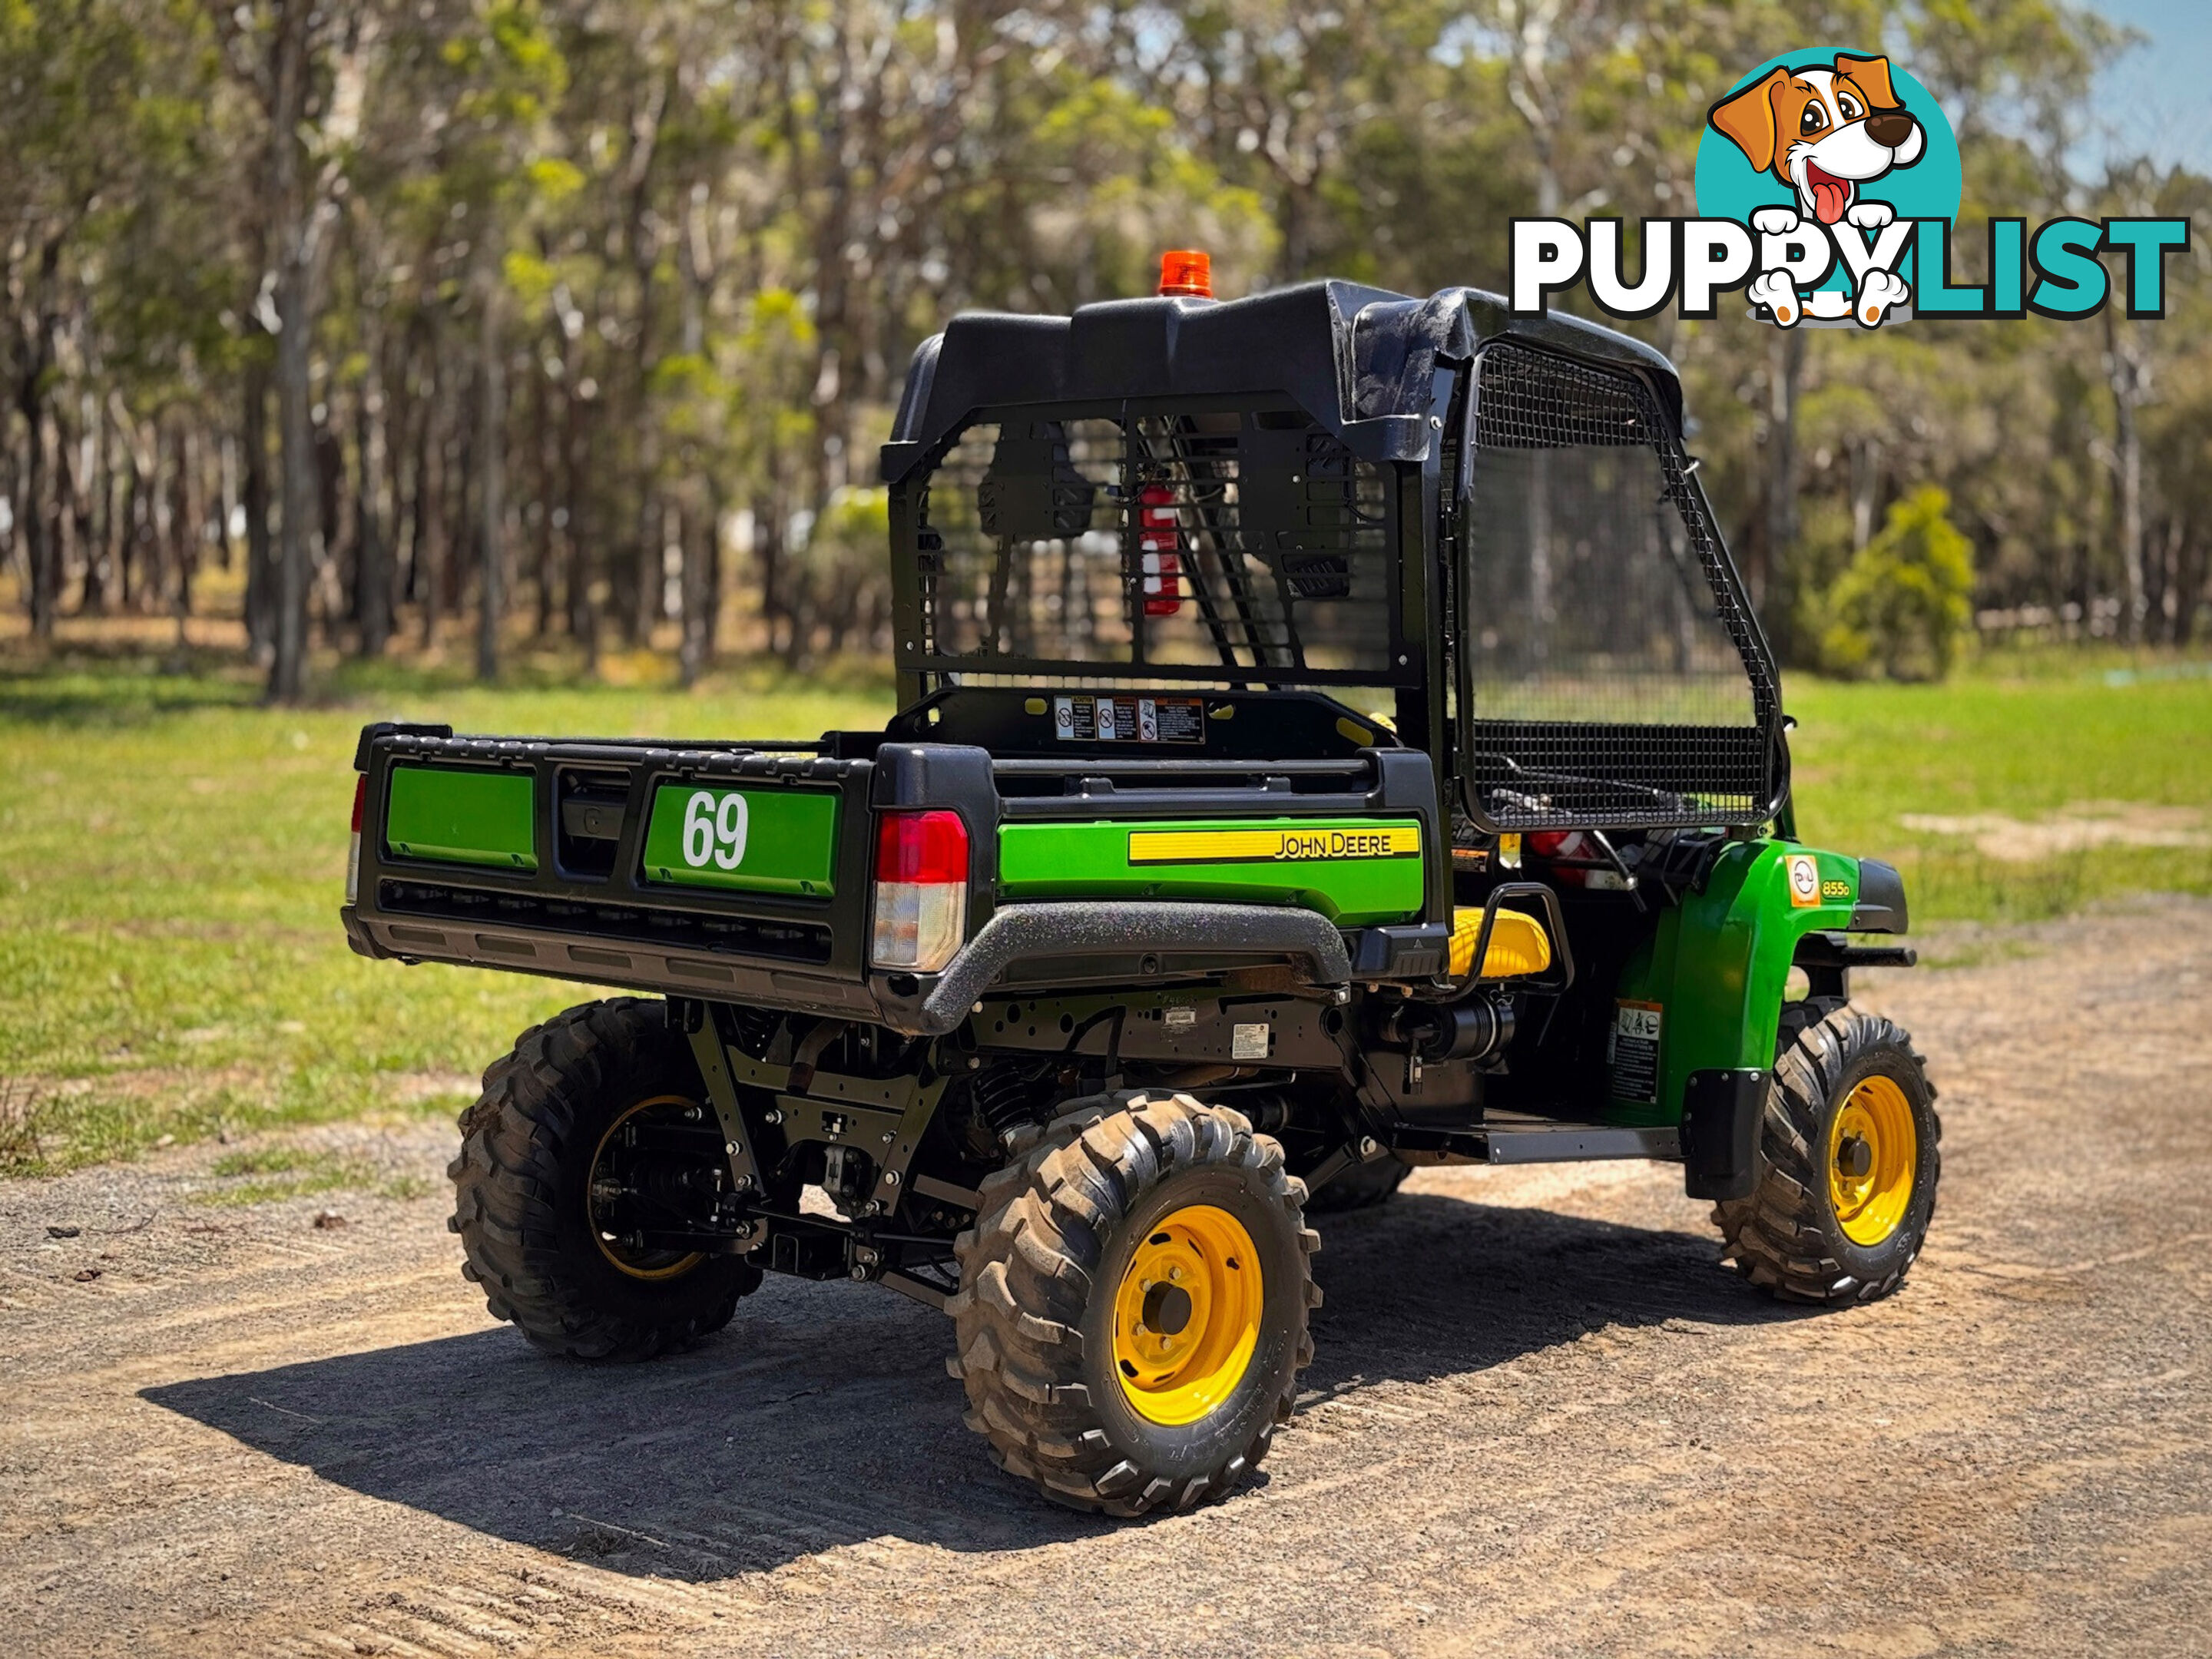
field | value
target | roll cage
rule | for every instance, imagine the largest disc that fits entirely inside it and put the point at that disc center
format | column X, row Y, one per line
column 1482, row 529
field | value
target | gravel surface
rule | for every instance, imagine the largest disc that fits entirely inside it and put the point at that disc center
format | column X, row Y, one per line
column 1541, row 1420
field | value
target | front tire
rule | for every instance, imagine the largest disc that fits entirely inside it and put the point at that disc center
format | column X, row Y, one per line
column 1131, row 1315
column 1848, row 1160
column 522, row 1185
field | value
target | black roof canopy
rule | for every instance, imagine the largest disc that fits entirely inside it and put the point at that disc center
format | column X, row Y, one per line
column 1359, row 360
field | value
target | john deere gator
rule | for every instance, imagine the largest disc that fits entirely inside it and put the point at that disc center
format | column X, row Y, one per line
column 1332, row 739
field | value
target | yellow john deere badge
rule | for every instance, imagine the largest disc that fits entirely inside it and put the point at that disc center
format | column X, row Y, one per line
column 1274, row 844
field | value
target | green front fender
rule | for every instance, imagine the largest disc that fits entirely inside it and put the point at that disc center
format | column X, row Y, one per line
column 1713, row 973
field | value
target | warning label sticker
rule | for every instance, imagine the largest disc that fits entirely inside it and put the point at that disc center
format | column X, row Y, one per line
column 1632, row 1050
column 1129, row 720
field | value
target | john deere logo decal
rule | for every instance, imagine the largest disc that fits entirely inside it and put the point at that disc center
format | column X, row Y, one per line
column 1828, row 183
column 1295, row 843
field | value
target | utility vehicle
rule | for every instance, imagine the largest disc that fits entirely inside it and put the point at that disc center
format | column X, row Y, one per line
column 1332, row 739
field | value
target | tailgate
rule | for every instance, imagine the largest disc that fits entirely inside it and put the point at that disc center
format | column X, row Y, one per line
column 735, row 871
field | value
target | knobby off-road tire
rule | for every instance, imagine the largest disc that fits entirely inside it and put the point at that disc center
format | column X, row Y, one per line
column 1360, row 1187
column 521, row 1187
column 1790, row 1236
column 1064, row 1228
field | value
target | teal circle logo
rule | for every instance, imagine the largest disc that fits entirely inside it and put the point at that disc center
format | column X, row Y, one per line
column 1845, row 140
column 1745, row 159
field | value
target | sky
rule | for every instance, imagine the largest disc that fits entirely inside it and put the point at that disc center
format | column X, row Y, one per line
column 2157, row 99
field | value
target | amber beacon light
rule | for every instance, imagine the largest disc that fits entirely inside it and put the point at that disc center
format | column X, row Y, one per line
column 1186, row 272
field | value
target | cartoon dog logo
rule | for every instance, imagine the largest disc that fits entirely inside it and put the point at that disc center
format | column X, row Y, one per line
column 1824, row 131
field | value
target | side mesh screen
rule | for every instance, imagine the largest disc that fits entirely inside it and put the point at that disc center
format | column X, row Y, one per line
column 1617, row 678
column 1227, row 544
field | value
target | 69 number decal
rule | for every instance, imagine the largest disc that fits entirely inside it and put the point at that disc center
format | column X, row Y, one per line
column 714, row 830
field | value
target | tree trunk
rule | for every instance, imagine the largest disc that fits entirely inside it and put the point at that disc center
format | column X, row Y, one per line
column 490, row 484
column 1866, row 475
column 296, row 533
column 337, row 552
column 649, row 574
column 295, row 297
column 545, row 468
column 429, row 561
column 695, row 644
column 260, row 561
column 712, row 541
column 1785, row 369
column 82, row 483
column 41, row 534
column 2195, row 582
column 2168, row 605
column 372, row 598
column 458, row 472
column 635, row 600
column 576, row 432
column 768, row 556
column 70, row 509
column 694, row 524
column 185, row 517
column 100, row 526
column 2124, row 364
column 131, row 545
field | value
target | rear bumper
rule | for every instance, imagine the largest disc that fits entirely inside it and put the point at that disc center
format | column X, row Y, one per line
column 569, row 911
column 628, row 964
column 1063, row 943
column 1054, row 944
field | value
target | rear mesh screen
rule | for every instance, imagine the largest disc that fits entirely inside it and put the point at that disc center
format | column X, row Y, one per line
column 1617, row 677
column 1245, row 546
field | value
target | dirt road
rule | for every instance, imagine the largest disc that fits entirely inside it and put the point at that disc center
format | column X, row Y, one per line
column 1541, row 1420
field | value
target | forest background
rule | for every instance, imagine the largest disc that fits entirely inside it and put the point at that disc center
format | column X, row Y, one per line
column 568, row 327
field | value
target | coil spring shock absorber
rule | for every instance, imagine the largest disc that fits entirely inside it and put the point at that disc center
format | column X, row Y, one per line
column 1013, row 1092
column 754, row 1028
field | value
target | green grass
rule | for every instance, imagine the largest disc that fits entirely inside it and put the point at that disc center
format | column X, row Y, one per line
column 284, row 1173
column 171, row 857
column 281, row 1172
column 171, row 860
column 2024, row 745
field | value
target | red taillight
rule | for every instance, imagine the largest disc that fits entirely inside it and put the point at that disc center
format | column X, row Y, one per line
column 352, row 846
column 921, row 890
column 1159, row 541
column 922, row 847
column 1188, row 272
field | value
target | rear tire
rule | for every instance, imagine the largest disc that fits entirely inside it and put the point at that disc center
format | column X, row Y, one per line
column 522, row 1180
column 1078, row 1240
column 1849, row 1159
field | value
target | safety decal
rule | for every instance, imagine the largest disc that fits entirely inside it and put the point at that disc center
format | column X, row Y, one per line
column 1632, row 1050
column 1129, row 720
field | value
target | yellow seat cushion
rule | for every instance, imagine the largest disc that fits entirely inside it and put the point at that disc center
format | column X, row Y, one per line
column 1518, row 944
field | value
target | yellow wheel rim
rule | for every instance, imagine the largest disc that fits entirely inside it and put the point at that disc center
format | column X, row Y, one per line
column 638, row 1264
column 1187, row 1317
column 1874, row 1152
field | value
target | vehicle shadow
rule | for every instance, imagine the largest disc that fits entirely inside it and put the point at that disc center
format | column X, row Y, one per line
column 824, row 1415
